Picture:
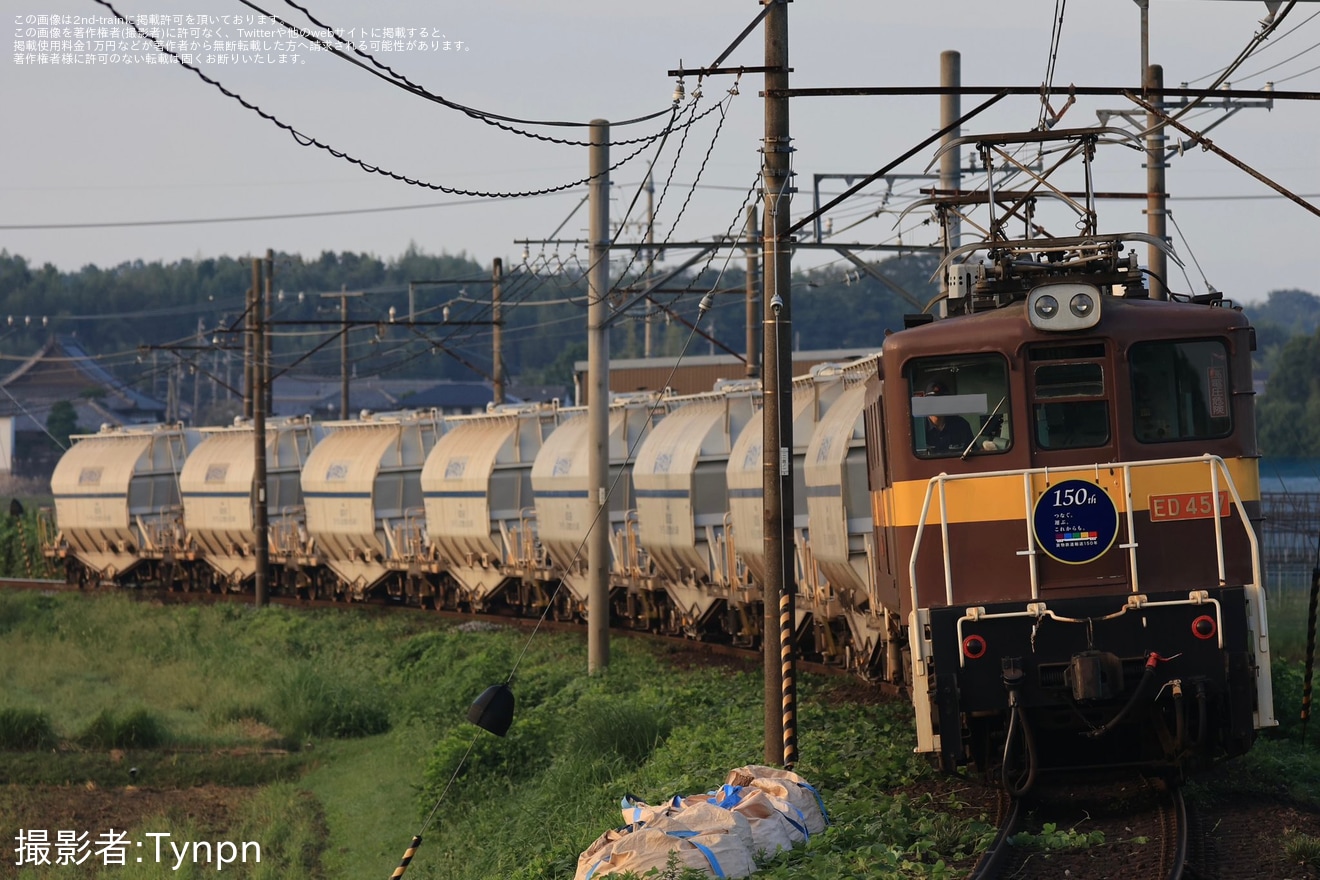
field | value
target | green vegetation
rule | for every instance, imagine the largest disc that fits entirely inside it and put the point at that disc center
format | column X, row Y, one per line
column 138, row 729
column 329, row 737
column 1053, row 837
column 1288, row 416
column 1303, row 849
column 25, row 729
column 20, row 550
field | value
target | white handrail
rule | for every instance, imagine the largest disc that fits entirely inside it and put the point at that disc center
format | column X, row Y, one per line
column 1216, row 464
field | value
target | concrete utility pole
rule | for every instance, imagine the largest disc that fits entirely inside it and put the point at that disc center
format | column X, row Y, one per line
column 249, row 355
column 777, row 451
column 261, row 372
column 267, row 315
column 649, row 321
column 950, row 112
column 497, row 334
column 1156, row 206
column 598, row 398
column 343, row 352
column 753, row 270
column 197, row 374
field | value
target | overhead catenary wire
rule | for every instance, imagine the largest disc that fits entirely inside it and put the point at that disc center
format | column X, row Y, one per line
column 1253, row 44
column 665, row 189
column 637, row 194
column 1308, row 50
column 1056, row 35
column 400, row 81
column 253, row 218
column 1262, row 49
column 308, row 141
column 450, row 343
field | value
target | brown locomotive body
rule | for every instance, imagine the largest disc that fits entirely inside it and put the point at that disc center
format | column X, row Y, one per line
column 1065, row 490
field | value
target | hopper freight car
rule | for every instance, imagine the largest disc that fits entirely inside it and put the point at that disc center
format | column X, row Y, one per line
column 216, row 484
column 117, row 503
column 480, row 518
column 363, row 492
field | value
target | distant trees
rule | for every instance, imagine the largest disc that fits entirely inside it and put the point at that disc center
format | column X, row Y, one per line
column 1288, row 415
column 61, row 422
column 1288, row 353
column 193, row 302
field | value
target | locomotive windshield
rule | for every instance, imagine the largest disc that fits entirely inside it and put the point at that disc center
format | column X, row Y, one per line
column 1068, row 386
column 1180, row 390
column 959, row 405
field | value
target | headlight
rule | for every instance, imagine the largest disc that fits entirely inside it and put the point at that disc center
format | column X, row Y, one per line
column 1045, row 312
column 1047, row 306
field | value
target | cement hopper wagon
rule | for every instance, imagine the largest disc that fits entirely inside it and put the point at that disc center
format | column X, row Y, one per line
column 363, row 493
column 117, row 502
column 565, row 506
column 841, row 534
column 682, row 499
column 813, row 395
column 218, row 507
column 477, row 488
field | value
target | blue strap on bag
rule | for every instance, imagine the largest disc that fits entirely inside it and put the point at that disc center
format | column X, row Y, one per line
column 705, row 850
column 727, row 797
column 819, row 801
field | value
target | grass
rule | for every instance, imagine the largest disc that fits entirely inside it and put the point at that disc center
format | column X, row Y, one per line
column 25, row 729
column 331, row 737
column 1303, row 849
column 1288, row 607
column 136, row 729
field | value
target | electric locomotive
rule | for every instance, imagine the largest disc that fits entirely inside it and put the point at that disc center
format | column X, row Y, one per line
column 1064, row 484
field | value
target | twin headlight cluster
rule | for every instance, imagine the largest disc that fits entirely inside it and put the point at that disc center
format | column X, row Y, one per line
column 1064, row 306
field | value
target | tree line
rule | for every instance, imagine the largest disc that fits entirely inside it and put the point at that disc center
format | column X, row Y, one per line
column 191, row 311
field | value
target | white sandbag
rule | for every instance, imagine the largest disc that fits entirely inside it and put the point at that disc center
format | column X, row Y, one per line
column 598, row 850
column 699, row 814
column 637, row 812
column 772, row 830
column 789, row 786
column 715, row 853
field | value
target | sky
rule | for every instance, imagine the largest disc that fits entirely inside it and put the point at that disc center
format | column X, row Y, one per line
column 119, row 144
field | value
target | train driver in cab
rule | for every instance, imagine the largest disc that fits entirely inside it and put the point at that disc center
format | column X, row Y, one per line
column 945, row 434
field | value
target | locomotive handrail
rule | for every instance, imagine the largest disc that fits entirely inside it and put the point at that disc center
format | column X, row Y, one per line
column 1215, row 462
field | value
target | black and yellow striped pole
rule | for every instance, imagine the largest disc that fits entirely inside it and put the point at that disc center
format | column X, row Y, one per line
column 788, row 672
column 407, row 857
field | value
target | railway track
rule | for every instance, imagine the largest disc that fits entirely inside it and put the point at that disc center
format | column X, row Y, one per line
column 1132, row 828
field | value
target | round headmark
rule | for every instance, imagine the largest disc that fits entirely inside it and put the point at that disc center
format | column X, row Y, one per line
column 1075, row 522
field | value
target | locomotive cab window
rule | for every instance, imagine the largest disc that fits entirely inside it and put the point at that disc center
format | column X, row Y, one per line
column 1070, row 410
column 959, row 406
column 1180, row 390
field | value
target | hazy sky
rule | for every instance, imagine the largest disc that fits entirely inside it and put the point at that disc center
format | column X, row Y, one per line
column 123, row 143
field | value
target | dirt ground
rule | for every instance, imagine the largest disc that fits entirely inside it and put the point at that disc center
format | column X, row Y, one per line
column 89, row 808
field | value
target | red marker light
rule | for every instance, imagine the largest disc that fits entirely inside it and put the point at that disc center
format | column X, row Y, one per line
column 1204, row 627
column 973, row 647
